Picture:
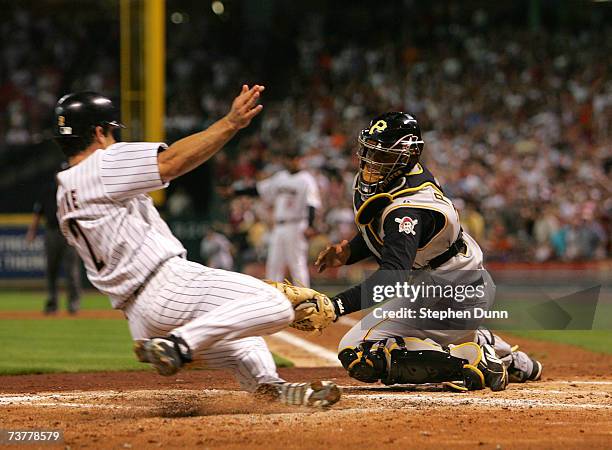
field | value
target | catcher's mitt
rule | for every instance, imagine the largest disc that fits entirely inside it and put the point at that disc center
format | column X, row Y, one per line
column 313, row 310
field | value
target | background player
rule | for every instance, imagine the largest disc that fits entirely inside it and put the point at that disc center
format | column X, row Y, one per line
column 407, row 223
column 295, row 197
column 216, row 249
column 57, row 251
column 198, row 313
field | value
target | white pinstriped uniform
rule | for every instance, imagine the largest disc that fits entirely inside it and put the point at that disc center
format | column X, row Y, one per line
column 131, row 255
column 291, row 195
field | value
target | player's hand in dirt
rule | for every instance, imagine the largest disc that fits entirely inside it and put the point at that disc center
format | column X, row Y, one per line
column 334, row 255
column 245, row 106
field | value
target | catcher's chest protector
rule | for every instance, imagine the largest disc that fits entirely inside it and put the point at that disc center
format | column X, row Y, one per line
column 417, row 190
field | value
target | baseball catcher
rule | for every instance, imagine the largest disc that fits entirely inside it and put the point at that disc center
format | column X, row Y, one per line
column 408, row 224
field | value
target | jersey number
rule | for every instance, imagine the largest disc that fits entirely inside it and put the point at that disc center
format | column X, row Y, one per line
column 76, row 231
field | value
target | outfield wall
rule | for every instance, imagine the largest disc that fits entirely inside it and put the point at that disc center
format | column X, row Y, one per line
column 18, row 258
column 23, row 263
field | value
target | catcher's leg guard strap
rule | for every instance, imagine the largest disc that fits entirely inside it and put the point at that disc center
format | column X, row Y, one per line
column 417, row 361
column 367, row 362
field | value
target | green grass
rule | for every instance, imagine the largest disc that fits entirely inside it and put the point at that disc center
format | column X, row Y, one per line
column 42, row 346
column 593, row 340
column 66, row 345
column 34, row 301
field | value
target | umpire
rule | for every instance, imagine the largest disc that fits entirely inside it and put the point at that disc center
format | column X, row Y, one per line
column 57, row 251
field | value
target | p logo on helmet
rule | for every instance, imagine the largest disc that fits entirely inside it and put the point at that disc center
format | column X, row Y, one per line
column 379, row 126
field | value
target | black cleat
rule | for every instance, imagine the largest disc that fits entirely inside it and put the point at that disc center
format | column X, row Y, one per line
column 164, row 353
column 50, row 308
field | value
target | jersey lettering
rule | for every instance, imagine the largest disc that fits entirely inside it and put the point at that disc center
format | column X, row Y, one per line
column 77, row 232
column 69, row 200
column 105, row 213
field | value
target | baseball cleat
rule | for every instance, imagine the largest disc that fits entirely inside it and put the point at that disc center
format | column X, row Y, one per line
column 164, row 353
column 519, row 376
column 316, row 394
column 493, row 369
column 50, row 308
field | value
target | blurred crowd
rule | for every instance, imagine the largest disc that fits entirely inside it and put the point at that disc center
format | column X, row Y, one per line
column 519, row 135
column 44, row 55
column 517, row 123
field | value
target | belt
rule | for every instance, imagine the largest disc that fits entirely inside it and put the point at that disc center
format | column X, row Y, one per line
column 283, row 222
column 459, row 246
column 140, row 288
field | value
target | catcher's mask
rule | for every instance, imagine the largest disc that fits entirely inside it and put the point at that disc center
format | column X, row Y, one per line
column 390, row 146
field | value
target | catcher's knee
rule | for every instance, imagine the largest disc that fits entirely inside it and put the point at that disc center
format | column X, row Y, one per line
column 367, row 362
column 417, row 361
column 413, row 361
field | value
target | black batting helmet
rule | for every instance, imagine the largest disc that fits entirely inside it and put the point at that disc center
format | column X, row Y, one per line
column 78, row 113
column 390, row 146
column 76, row 117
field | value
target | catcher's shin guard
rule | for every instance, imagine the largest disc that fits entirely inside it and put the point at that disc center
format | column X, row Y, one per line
column 486, row 369
column 366, row 362
column 495, row 373
column 317, row 394
column 416, row 361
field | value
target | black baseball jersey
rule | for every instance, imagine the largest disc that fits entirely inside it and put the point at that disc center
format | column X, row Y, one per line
column 46, row 205
column 405, row 228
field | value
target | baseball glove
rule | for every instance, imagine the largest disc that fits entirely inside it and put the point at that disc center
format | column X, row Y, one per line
column 313, row 311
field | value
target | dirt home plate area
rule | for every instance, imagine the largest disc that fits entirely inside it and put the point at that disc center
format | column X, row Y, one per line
column 571, row 407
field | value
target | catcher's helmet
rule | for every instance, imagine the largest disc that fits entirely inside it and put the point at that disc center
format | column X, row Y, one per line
column 390, row 146
column 78, row 113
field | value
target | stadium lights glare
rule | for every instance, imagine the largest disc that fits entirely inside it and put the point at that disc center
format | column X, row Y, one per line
column 218, row 7
column 177, row 18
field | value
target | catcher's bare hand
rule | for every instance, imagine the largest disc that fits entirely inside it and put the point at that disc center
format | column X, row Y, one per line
column 245, row 106
column 334, row 255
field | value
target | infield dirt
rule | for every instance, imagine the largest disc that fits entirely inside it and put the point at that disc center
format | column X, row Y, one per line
column 570, row 408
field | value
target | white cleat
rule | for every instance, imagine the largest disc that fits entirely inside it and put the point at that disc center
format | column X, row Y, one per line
column 319, row 394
